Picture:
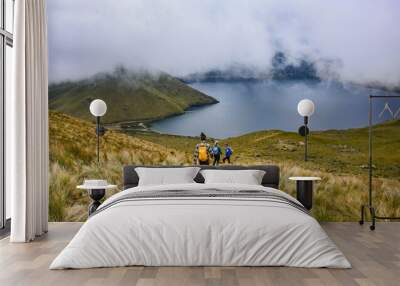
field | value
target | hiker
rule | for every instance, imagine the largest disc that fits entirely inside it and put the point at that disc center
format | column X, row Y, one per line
column 202, row 153
column 228, row 153
column 216, row 152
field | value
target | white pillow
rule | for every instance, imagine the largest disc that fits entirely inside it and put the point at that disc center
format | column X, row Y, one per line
column 248, row 177
column 166, row 176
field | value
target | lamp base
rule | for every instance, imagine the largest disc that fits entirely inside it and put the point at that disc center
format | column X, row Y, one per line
column 96, row 195
column 304, row 190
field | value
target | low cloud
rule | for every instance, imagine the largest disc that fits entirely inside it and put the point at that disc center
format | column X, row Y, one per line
column 357, row 40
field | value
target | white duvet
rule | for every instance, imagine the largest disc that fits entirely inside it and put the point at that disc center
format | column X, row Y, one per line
column 200, row 231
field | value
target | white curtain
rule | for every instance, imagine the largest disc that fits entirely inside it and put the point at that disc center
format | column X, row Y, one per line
column 27, row 124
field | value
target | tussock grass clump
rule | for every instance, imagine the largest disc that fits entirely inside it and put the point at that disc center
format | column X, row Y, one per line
column 60, row 192
column 73, row 159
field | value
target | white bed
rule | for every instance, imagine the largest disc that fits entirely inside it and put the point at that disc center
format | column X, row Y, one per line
column 185, row 230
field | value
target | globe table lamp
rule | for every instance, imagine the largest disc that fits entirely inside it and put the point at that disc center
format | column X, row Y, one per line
column 305, row 108
column 98, row 108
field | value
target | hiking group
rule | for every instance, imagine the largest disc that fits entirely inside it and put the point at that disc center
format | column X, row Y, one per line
column 205, row 154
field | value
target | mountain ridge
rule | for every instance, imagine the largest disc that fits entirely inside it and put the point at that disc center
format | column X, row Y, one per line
column 281, row 69
column 130, row 96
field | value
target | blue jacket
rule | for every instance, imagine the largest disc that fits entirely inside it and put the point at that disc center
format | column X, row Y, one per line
column 228, row 151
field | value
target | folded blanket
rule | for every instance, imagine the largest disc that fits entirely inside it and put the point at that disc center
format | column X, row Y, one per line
column 205, row 193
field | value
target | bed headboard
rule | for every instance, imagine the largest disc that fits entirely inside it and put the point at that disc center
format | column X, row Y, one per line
column 271, row 177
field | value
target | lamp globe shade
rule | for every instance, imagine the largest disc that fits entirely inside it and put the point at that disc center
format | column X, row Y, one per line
column 305, row 107
column 98, row 107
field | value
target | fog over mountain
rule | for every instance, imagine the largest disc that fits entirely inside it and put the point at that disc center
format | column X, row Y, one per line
column 353, row 40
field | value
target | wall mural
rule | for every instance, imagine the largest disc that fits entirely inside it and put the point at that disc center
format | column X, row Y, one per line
column 236, row 71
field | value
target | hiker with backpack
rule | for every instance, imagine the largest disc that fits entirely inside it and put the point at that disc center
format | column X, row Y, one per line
column 216, row 152
column 202, row 153
column 228, row 154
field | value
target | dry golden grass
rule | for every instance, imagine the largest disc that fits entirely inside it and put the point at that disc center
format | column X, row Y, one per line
column 338, row 198
column 73, row 158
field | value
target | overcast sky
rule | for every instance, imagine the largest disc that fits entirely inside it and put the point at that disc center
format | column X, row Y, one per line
column 360, row 37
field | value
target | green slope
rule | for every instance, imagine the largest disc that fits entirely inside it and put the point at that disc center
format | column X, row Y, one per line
column 338, row 157
column 130, row 96
column 339, row 151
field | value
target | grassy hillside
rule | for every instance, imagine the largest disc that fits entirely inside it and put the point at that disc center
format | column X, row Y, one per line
column 73, row 159
column 339, row 157
column 336, row 156
column 337, row 151
column 135, row 96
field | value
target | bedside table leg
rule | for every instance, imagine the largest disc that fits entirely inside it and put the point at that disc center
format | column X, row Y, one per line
column 96, row 195
column 93, row 207
column 305, row 193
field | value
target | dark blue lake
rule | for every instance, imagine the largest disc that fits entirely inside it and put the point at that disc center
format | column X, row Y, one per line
column 252, row 106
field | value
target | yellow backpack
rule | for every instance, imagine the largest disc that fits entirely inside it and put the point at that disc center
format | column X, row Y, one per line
column 203, row 152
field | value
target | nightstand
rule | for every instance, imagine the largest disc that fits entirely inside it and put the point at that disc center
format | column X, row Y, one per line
column 304, row 190
column 96, row 190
